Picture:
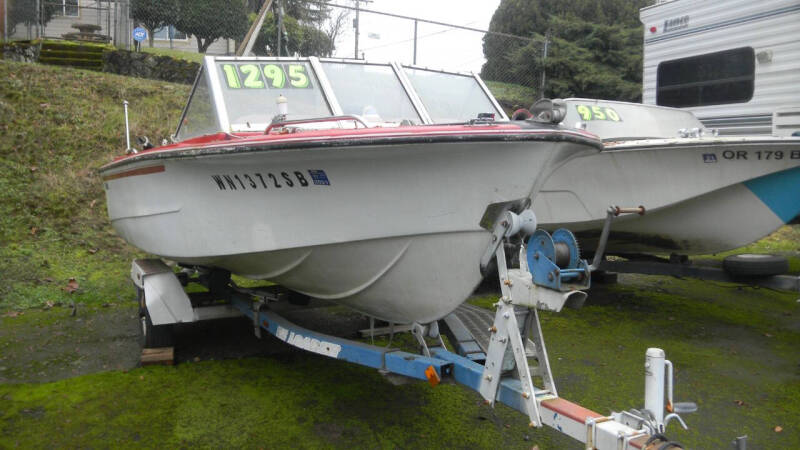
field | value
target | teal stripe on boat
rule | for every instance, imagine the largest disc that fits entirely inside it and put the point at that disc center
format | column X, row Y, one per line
column 780, row 191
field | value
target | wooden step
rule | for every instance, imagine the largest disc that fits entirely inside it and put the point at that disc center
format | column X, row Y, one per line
column 164, row 356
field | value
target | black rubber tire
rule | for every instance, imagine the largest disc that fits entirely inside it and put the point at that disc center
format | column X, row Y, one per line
column 153, row 336
column 755, row 265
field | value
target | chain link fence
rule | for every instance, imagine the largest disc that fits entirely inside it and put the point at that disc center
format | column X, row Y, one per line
column 511, row 65
column 91, row 21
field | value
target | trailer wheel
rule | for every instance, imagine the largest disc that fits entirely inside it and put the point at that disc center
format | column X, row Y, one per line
column 755, row 265
column 153, row 336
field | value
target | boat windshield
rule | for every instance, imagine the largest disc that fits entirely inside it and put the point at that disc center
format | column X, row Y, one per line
column 370, row 90
column 449, row 97
column 237, row 94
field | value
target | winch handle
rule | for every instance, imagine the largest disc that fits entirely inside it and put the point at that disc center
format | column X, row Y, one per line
column 640, row 210
column 611, row 212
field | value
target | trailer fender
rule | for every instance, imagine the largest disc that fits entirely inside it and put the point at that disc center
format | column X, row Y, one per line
column 165, row 299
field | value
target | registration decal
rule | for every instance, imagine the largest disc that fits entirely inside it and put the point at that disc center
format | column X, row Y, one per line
column 319, row 177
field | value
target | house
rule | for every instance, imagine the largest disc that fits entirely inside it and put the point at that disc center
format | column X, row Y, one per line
column 113, row 18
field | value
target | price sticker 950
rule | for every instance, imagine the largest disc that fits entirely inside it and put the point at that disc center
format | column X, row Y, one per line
column 595, row 112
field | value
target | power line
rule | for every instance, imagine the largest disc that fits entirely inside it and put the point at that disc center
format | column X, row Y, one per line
column 400, row 16
column 408, row 40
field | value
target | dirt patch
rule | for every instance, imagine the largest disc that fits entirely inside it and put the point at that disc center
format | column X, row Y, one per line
column 41, row 346
column 50, row 345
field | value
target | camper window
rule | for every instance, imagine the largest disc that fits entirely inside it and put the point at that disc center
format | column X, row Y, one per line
column 711, row 79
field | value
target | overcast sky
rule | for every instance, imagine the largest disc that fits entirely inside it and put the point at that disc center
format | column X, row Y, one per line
column 385, row 38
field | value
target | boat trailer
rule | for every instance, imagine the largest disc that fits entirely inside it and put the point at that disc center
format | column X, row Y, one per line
column 499, row 363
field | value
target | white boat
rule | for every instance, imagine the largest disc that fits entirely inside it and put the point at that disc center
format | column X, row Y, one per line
column 702, row 193
column 364, row 198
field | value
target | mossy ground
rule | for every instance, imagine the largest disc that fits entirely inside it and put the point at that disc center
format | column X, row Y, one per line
column 734, row 349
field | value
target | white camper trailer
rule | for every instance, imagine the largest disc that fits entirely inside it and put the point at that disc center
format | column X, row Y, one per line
column 735, row 64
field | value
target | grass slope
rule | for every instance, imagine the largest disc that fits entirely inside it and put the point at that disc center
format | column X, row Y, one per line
column 57, row 126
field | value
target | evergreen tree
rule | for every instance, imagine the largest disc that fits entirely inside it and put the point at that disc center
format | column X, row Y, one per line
column 301, row 35
column 595, row 48
column 209, row 20
column 153, row 14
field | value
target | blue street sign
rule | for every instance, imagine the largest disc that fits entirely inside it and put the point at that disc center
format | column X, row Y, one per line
column 139, row 34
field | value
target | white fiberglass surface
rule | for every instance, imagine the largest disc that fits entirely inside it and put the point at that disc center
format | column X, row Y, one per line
column 370, row 90
column 251, row 89
column 449, row 97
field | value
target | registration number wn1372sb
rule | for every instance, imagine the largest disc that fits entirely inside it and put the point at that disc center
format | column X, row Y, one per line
column 270, row 180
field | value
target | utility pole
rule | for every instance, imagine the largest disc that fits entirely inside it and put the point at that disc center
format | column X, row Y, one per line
column 415, row 42
column 280, row 25
column 37, row 9
column 356, row 24
column 5, row 20
column 544, row 60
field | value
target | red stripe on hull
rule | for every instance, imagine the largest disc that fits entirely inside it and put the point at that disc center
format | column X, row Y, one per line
column 135, row 172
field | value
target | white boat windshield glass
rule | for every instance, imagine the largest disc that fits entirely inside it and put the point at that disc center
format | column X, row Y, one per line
column 449, row 97
column 250, row 90
column 200, row 118
column 371, row 91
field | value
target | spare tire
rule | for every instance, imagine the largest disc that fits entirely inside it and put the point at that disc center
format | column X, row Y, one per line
column 755, row 265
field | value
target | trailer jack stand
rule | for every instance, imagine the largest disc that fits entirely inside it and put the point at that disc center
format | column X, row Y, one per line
column 516, row 323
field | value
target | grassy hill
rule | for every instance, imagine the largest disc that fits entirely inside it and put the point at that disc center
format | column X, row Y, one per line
column 57, row 126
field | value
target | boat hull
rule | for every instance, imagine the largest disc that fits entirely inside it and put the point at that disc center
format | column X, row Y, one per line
column 702, row 196
column 390, row 229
